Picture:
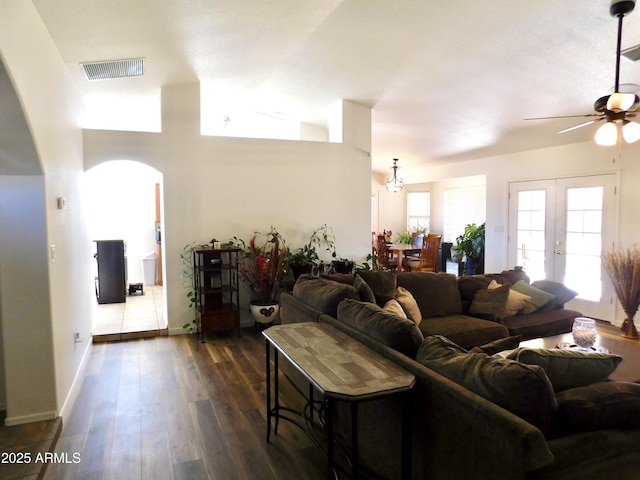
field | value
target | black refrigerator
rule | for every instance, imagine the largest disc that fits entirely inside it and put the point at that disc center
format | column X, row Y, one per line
column 111, row 282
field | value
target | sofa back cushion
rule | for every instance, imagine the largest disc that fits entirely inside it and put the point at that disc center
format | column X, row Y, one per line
column 323, row 294
column 382, row 284
column 436, row 294
column 398, row 333
column 522, row 389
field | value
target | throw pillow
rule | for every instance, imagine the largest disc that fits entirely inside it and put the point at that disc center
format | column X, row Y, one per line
column 599, row 406
column 522, row 389
column 383, row 284
column 392, row 307
column 408, row 304
column 490, row 304
column 538, row 298
column 558, row 290
column 398, row 333
column 366, row 294
column 515, row 300
column 569, row 368
column 497, row 346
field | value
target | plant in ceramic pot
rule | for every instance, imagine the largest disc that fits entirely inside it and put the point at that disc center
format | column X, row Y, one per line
column 262, row 270
column 306, row 259
column 471, row 245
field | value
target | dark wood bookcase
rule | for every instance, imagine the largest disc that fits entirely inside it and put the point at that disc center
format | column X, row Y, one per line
column 216, row 288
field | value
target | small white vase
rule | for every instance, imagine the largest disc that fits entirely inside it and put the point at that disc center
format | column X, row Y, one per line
column 264, row 314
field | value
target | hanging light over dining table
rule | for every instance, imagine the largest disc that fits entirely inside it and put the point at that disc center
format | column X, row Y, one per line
column 395, row 184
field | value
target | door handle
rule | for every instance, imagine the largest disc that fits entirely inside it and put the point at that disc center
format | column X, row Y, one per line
column 558, row 252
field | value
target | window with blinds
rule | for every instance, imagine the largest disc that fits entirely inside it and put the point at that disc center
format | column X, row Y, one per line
column 462, row 206
column 418, row 210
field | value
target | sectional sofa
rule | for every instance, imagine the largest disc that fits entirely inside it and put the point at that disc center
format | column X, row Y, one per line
column 476, row 414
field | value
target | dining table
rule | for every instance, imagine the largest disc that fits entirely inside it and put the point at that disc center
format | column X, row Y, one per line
column 400, row 251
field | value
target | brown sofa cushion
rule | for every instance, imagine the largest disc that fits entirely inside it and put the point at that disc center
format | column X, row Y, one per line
column 600, row 406
column 323, row 294
column 437, row 294
column 464, row 330
column 522, row 389
column 398, row 333
column 364, row 290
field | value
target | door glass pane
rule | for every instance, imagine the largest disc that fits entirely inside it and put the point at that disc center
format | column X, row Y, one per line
column 530, row 232
column 583, row 242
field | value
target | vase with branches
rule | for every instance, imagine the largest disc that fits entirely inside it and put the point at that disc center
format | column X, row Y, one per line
column 262, row 270
column 623, row 267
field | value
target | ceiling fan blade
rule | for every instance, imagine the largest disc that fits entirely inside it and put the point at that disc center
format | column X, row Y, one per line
column 580, row 125
column 586, row 115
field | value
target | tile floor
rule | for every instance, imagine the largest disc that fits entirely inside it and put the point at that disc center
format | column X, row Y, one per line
column 140, row 316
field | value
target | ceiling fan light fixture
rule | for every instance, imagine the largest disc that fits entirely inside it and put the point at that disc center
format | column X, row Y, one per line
column 621, row 102
column 607, row 134
column 631, row 131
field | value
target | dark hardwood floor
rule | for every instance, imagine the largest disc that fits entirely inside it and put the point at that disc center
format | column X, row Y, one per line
column 174, row 408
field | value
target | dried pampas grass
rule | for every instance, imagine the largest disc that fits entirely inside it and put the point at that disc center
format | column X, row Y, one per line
column 623, row 267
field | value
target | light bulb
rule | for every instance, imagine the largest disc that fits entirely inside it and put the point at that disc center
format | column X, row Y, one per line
column 621, row 102
column 631, row 132
column 607, row 135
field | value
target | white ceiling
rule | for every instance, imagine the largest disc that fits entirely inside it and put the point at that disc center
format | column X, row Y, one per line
column 446, row 80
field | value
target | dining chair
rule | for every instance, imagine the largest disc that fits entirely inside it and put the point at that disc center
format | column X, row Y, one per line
column 386, row 260
column 428, row 260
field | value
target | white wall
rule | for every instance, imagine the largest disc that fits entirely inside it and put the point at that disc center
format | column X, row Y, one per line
column 50, row 300
column 220, row 187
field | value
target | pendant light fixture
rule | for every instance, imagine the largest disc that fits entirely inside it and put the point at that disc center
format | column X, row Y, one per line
column 395, row 184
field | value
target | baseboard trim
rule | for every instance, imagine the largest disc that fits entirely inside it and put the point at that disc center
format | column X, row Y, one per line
column 33, row 417
column 74, row 390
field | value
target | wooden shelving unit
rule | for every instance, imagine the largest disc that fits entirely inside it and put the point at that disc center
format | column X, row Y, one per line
column 215, row 283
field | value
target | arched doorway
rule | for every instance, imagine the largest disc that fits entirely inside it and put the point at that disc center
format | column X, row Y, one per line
column 124, row 202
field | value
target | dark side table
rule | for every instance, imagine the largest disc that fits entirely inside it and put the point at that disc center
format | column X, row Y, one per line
column 341, row 369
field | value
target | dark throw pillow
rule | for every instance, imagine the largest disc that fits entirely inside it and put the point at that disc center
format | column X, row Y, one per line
column 490, row 304
column 558, row 290
column 366, row 294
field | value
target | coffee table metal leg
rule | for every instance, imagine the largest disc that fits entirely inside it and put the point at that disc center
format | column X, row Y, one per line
column 354, row 440
column 268, row 372
column 407, row 435
column 329, row 421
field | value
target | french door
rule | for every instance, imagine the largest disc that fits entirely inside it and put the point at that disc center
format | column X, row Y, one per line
column 558, row 229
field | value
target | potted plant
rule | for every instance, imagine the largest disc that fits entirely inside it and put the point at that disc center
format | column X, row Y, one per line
column 471, row 245
column 305, row 259
column 262, row 270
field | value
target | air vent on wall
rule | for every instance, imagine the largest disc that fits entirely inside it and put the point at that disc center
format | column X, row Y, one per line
column 131, row 67
column 632, row 53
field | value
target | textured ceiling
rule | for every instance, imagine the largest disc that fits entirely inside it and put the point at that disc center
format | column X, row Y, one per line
column 446, row 80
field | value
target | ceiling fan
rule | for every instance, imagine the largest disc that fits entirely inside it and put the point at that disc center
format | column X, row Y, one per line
column 614, row 108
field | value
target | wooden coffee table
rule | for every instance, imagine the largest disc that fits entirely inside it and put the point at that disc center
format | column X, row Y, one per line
column 610, row 338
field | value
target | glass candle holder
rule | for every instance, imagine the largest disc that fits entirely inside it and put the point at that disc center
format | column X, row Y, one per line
column 584, row 333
